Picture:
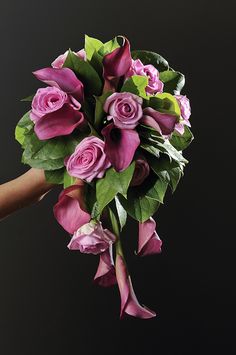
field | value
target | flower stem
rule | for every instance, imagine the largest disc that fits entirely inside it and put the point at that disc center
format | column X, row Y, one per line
column 116, row 231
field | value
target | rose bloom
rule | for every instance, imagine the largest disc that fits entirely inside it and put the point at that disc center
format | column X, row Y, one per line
column 125, row 109
column 185, row 110
column 48, row 100
column 91, row 238
column 88, row 160
column 141, row 171
column 60, row 60
column 155, row 85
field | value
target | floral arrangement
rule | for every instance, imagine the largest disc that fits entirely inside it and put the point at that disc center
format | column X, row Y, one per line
column 110, row 126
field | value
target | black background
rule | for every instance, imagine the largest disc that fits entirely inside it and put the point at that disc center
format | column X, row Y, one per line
column 48, row 304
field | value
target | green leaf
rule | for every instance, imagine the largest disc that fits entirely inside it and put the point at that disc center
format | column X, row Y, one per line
column 99, row 112
column 181, row 142
column 114, row 222
column 67, row 179
column 20, row 134
column 55, row 176
column 24, row 126
column 136, row 84
column 111, row 184
column 148, row 57
column 165, row 103
column 86, row 73
column 91, row 46
column 109, row 47
column 173, row 81
column 122, row 214
column 28, row 98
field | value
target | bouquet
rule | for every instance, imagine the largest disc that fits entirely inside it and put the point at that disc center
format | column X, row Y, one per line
column 109, row 125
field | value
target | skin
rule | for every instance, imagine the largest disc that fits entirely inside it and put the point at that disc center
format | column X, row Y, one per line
column 25, row 190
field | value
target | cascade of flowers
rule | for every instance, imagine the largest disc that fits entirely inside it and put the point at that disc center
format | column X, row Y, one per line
column 110, row 125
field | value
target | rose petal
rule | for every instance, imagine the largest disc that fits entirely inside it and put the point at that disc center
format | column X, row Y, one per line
column 68, row 210
column 120, row 145
column 105, row 275
column 118, row 62
column 129, row 302
column 64, row 78
column 149, row 242
column 59, row 123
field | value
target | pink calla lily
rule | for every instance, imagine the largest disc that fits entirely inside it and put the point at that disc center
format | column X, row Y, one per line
column 105, row 275
column 59, row 123
column 129, row 302
column 120, row 145
column 68, row 210
column 162, row 122
column 149, row 241
column 63, row 78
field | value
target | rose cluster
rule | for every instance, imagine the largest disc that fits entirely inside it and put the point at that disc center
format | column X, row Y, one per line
column 109, row 124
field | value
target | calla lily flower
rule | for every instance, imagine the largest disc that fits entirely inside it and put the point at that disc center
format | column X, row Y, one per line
column 63, row 78
column 105, row 275
column 162, row 122
column 149, row 242
column 59, row 123
column 68, row 210
column 129, row 302
column 120, row 145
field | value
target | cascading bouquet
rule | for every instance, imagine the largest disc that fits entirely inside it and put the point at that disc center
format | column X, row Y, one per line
column 110, row 126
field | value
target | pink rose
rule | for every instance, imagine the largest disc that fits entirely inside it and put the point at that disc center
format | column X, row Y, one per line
column 125, row 109
column 55, row 113
column 60, row 60
column 91, row 238
column 141, row 171
column 155, row 85
column 88, row 160
column 185, row 110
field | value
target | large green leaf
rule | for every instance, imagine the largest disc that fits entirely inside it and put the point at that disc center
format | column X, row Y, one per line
column 148, row 57
column 166, row 103
column 55, row 176
column 181, row 142
column 111, row 184
column 173, row 81
column 86, row 73
column 91, row 46
column 67, row 179
column 109, row 47
column 136, row 84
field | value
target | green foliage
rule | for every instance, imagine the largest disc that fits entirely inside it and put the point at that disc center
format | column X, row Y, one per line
column 148, row 57
column 165, row 103
column 99, row 112
column 173, row 81
column 136, row 84
column 67, row 179
column 86, row 73
column 114, row 182
column 121, row 212
column 181, row 142
column 55, row 176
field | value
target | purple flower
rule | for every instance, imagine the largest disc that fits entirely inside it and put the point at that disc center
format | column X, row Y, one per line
column 185, row 110
column 155, row 85
column 64, row 79
column 60, row 60
column 141, row 171
column 68, row 210
column 91, row 238
column 162, row 122
column 106, row 275
column 120, row 145
column 55, row 113
column 88, row 160
column 125, row 109
column 129, row 302
column 149, row 242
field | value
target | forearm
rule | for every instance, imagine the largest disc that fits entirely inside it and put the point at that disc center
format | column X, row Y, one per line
column 22, row 191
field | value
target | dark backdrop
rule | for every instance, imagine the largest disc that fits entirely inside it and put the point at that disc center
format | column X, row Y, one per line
column 48, row 304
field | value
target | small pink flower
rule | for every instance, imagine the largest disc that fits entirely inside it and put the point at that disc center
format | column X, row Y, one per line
column 162, row 122
column 125, row 109
column 68, row 210
column 141, row 171
column 129, row 302
column 149, row 241
column 91, row 238
column 185, row 110
column 155, row 85
column 88, row 160
column 106, row 275
column 60, row 60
